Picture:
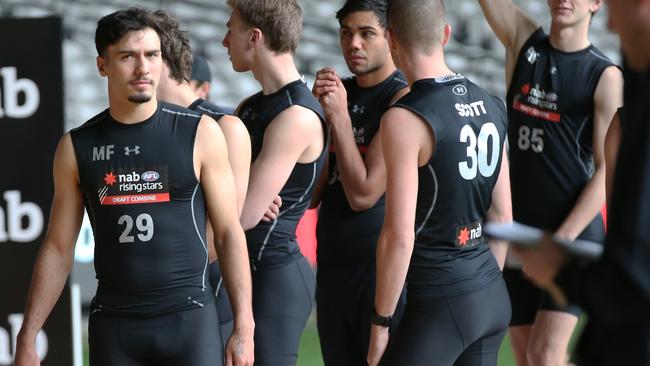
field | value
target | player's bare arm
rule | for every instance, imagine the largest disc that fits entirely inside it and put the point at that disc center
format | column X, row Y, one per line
column 213, row 170
column 408, row 144
column 288, row 140
column 501, row 208
column 239, row 153
column 56, row 255
column 363, row 180
column 511, row 25
column 607, row 99
column 612, row 143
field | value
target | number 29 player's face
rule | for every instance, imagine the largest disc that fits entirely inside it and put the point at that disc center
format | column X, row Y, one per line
column 133, row 66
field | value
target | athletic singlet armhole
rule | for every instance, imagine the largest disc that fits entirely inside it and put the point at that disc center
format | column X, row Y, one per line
column 537, row 35
column 326, row 133
column 429, row 125
column 196, row 132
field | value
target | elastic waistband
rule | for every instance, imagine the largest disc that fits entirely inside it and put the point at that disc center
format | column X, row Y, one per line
column 139, row 309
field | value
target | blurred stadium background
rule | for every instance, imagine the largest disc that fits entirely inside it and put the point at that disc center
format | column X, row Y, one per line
column 473, row 51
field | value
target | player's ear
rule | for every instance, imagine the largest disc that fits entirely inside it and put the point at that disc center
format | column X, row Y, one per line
column 101, row 65
column 205, row 89
column 256, row 36
column 595, row 6
column 391, row 39
column 446, row 34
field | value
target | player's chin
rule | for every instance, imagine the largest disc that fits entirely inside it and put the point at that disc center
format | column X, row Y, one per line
column 140, row 98
column 357, row 67
column 238, row 67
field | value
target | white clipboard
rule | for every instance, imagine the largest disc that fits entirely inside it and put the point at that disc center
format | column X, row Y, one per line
column 528, row 236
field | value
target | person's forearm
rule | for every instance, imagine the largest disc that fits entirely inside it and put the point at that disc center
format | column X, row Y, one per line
column 51, row 271
column 589, row 203
column 235, row 269
column 393, row 257
column 351, row 166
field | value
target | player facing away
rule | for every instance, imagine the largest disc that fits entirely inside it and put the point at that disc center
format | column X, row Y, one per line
column 174, row 87
column 289, row 148
column 562, row 94
column 354, row 181
column 148, row 206
column 447, row 172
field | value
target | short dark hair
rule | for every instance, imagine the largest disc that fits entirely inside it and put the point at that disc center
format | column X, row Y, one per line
column 279, row 20
column 378, row 7
column 200, row 69
column 112, row 27
column 175, row 47
column 417, row 23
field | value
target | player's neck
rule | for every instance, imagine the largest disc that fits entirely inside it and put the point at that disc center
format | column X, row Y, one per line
column 127, row 112
column 570, row 38
column 274, row 71
column 183, row 95
column 376, row 76
column 420, row 66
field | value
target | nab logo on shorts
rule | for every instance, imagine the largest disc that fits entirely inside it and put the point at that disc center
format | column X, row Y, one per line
column 12, row 90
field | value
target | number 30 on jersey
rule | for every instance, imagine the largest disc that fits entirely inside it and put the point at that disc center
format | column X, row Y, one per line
column 478, row 160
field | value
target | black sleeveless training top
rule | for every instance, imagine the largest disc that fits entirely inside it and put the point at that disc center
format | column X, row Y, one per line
column 346, row 237
column 147, row 211
column 204, row 107
column 550, row 115
column 450, row 256
column 273, row 244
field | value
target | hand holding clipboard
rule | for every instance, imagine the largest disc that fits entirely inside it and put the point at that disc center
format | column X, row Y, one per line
column 541, row 253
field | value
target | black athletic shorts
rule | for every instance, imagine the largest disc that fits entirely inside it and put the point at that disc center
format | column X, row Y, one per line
column 187, row 337
column 527, row 299
column 345, row 299
column 282, row 301
column 463, row 330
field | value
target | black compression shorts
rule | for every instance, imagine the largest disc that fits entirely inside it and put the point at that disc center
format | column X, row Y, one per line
column 345, row 298
column 527, row 299
column 282, row 301
column 187, row 337
column 464, row 330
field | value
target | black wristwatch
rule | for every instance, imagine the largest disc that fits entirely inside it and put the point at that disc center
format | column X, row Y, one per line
column 383, row 321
